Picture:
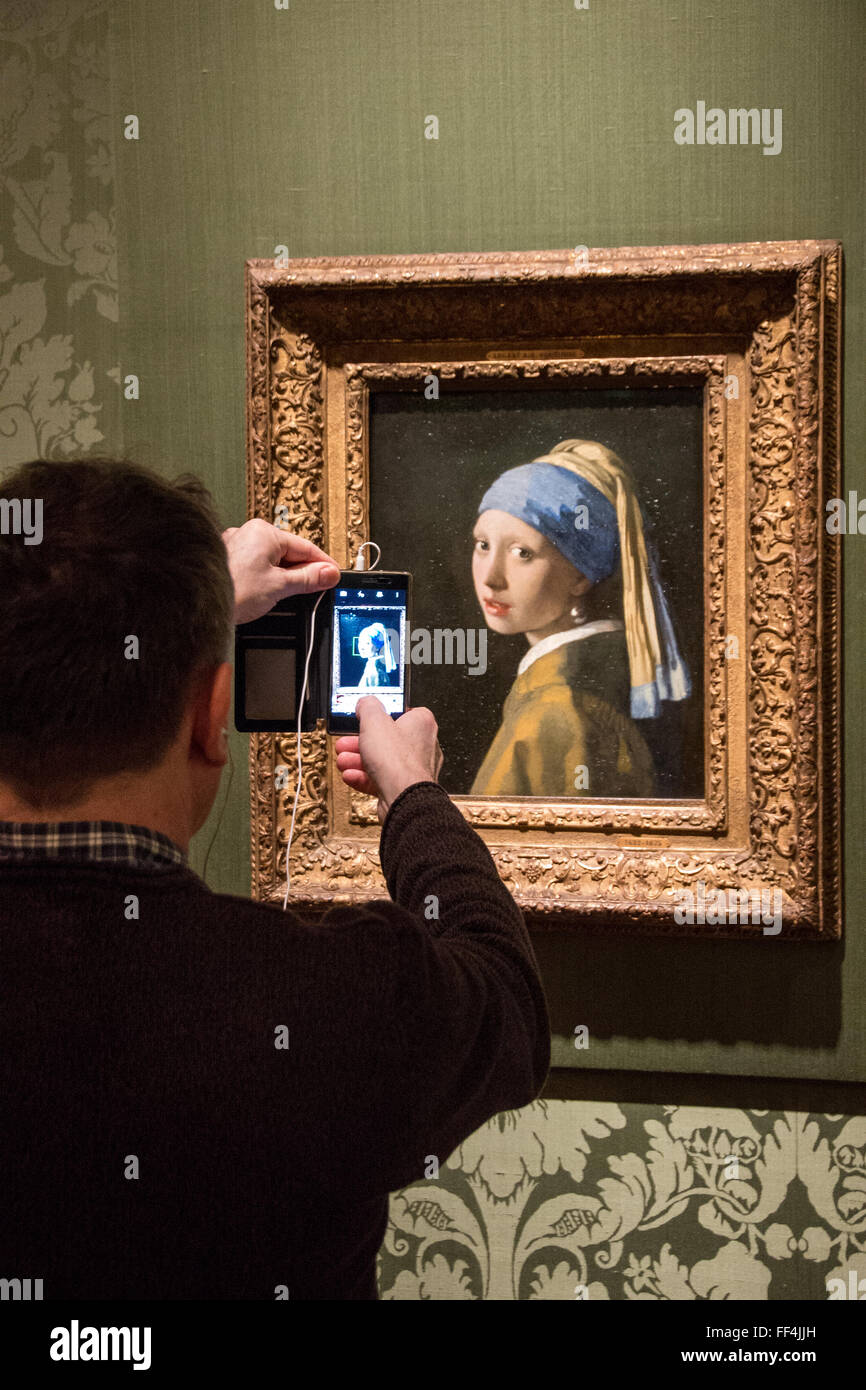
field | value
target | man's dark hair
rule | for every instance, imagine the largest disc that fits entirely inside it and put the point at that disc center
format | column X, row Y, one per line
column 124, row 554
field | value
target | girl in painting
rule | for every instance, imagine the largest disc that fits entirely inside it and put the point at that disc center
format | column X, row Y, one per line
column 560, row 555
column 374, row 646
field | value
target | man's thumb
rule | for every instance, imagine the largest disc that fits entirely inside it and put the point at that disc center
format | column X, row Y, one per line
column 369, row 708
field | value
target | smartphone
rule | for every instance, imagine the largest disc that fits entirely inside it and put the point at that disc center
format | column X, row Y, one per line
column 369, row 632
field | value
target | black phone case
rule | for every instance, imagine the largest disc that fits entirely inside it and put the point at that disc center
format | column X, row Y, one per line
column 287, row 628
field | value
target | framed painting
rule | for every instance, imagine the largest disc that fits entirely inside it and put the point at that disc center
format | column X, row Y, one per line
column 608, row 472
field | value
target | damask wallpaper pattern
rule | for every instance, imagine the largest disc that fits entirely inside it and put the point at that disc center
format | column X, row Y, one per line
column 563, row 1200
column 59, row 377
column 579, row 1200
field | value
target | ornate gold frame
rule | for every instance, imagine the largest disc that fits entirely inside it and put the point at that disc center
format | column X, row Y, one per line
column 323, row 333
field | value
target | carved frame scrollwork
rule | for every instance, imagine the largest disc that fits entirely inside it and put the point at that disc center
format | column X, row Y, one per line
column 322, row 334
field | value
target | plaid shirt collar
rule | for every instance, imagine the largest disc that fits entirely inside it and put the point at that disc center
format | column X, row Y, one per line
column 102, row 841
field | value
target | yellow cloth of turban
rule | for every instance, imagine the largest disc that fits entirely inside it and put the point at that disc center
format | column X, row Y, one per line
column 605, row 471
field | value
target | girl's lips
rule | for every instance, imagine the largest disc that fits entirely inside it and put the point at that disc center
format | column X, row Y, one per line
column 497, row 609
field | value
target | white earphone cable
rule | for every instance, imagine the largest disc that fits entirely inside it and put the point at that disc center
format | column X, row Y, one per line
column 298, row 745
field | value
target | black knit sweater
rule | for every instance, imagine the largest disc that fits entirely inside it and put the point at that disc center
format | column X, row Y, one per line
column 155, row 1141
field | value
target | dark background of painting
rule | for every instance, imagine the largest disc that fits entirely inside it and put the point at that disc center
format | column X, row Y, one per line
column 430, row 463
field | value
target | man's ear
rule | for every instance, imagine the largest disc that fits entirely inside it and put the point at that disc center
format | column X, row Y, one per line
column 211, row 715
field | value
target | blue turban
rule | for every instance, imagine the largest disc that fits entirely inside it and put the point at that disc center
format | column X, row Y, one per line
column 549, row 498
column 599, row 532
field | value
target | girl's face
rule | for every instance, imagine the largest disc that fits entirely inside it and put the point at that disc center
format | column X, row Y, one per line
column 523, row 583
column 365, row 645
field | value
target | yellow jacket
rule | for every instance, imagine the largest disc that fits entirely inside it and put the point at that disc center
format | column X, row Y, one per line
column 565, row 728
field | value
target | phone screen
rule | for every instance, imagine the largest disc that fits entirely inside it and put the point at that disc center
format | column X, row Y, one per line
column 369, row 643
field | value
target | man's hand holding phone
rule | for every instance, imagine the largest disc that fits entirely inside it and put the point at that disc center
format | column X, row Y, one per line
column 268, row 564
column 388, row 755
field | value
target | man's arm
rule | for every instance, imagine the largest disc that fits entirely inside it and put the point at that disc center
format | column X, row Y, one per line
column 460, row 1020
column 477, row 1030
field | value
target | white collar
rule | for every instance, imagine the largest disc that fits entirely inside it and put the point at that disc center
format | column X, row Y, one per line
column 571, row 634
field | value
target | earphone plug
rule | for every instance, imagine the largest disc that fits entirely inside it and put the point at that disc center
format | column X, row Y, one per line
column 359, row 558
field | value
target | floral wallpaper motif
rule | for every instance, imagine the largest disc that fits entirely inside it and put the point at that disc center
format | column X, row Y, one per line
column 583, row 1201
column 59, row 381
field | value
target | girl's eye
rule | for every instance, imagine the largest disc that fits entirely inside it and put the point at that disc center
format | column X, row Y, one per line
column 480, row 545
column 523, row 553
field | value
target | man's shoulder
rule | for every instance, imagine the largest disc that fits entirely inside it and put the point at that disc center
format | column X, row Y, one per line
column 180, row 924
column 67, row 884
column 369, row 925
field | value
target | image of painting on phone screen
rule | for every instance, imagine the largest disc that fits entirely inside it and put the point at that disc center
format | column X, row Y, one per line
column 369, row 636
